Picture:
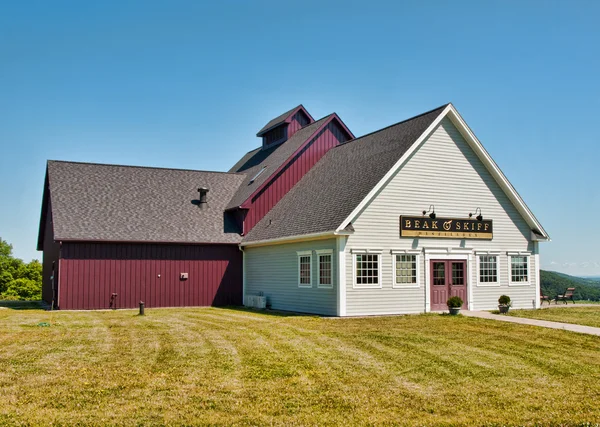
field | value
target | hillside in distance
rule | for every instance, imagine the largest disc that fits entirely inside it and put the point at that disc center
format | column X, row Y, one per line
column 554, row 283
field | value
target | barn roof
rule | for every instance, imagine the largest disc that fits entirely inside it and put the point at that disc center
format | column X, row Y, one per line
column 98, row 202
column 270, row 159
column 331, row 190
column 281, row 119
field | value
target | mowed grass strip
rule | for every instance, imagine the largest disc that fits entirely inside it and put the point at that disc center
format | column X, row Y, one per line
column 588, row 316
column 227, row 366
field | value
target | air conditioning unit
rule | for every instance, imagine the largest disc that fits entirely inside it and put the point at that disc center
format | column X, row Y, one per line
column 261, row 302
column 250, row 300
column 256, row 301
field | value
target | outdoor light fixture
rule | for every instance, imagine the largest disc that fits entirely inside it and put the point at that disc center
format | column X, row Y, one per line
column 479, row 217
column 432, row 210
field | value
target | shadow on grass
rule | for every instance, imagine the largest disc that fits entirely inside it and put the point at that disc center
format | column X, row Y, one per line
column 269, row 312
column 22, row 305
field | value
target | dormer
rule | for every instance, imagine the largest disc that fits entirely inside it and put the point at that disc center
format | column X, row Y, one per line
column 281, row 128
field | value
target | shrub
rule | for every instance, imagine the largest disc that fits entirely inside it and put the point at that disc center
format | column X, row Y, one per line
column 454, row 302
column 24, row 289
column 504, row 300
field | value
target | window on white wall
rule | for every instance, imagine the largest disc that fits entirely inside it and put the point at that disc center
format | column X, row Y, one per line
column 325, row 268
column 519, row 269
column 304, row 269
column 405, row 270
column 488, row 269
column 367, row 270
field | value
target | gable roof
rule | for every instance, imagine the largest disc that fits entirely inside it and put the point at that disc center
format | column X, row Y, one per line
column 97, row 202
column 282, row 119
column 334, row 192
column 330, row 191
column 271, row 159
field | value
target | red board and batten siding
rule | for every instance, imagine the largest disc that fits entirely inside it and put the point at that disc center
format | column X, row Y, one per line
column 91, row 272
column 330, row 136
column 298, row 121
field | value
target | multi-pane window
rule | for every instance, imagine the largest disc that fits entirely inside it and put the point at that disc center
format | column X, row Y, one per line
column 304, row 269
column 458, row 273
column 325, row 270
column 519, row 269
column 488, row 269
column 406, row 270
column 367, row 269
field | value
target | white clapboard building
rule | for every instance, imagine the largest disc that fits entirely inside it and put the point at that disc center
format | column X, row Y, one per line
column 394, row 222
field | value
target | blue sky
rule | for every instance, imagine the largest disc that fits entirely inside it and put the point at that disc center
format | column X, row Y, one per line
column 188, row 84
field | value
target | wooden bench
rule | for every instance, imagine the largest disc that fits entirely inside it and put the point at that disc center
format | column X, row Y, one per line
column 544, row 298
column 568, row 295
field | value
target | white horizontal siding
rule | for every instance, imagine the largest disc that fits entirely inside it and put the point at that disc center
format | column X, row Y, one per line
column 273, row 270
column 522, row 296
column 444, row 172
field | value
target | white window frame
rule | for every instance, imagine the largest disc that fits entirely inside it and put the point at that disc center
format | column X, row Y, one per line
column 376, row 252
column 417, row 255
column 319, row 253
column 301, row 254
column 498, row 269
column 527, row 255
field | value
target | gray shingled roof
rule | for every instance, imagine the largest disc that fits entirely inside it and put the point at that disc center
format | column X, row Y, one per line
column 128, row 203
column 277, row 120
column 332, row 189
column 272, row 158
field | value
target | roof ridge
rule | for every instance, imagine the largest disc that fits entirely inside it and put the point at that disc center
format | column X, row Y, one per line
column 140, row 167
column 392, row 125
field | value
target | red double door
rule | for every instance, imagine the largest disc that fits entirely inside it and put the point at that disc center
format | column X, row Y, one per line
column 448, row 278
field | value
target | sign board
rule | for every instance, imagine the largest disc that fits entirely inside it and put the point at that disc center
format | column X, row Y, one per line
column 452, row 228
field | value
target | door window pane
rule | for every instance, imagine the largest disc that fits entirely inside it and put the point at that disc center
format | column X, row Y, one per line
column 439, row 273
column 458, row 273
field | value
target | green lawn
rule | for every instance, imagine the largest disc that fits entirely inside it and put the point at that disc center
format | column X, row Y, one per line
column 589, row 316
column 219, row 366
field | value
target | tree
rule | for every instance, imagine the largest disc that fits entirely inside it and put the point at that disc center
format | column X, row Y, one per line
column 18, row 279
column 5, row 249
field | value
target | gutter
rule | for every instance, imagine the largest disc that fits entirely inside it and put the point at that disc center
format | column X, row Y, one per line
column 301, row 237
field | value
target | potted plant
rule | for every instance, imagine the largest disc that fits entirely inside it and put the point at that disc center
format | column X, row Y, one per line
column 504, row 304
column 454, row 304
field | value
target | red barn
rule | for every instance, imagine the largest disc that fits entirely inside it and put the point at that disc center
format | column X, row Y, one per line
column 115, row 235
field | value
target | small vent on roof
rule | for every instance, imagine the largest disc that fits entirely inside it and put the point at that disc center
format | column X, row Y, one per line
column 257, row 175
column 202, row 202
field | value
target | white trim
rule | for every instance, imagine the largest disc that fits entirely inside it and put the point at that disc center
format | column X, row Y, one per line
column 320, row 253
column 516, row 253
column 298, row 237
column 417, row 256
column 497, row 253
column 379, row 268
column 480, row 151
column 527, row 255
column 366, row 251
column 301, row 254
column 324, row 251
column 341, row 275
column 538, row 280
column 480, row 284
column 406, row 251
column 448, row 251
column 466, row 257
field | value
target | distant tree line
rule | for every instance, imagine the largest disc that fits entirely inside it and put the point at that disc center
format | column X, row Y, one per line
column 18, row 280
column 553, row 284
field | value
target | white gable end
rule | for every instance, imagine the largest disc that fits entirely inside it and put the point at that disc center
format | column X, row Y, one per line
column 444, row 171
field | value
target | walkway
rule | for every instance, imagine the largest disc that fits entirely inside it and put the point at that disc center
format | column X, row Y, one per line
column 533, row 322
